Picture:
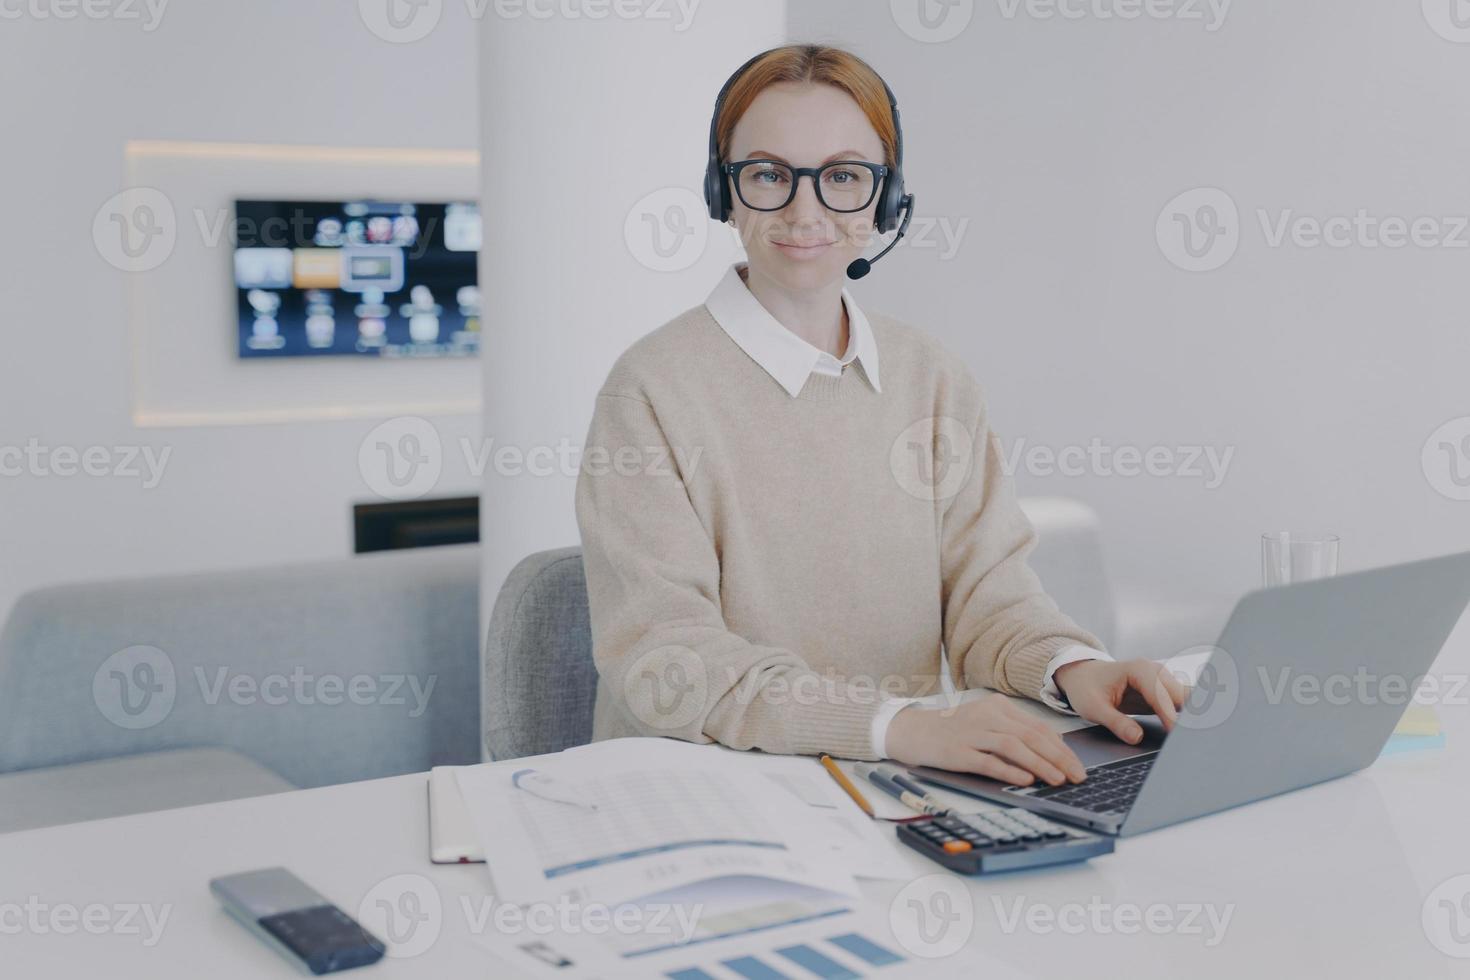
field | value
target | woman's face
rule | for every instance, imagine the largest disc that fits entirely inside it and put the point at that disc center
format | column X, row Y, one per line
column 804, row 245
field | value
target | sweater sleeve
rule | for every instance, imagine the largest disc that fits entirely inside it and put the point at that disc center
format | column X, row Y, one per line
column 659, row 637
column 1001, row 629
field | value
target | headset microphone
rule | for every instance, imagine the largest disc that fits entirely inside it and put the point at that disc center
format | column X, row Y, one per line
column 858, row 268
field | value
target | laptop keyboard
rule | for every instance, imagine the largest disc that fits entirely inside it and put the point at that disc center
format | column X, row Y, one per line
column 1109, row 789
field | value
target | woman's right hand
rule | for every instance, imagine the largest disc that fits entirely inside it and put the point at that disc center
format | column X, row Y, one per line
column 989, row 736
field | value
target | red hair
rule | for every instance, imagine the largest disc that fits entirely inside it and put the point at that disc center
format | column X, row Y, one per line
column 816, row 63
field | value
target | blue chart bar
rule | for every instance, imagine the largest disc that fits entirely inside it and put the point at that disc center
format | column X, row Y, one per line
column 865, row 949
column 692, row 973
column 753, row 969
column 822, row 966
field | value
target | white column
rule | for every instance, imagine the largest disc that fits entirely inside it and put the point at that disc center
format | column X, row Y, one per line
column 593, row 138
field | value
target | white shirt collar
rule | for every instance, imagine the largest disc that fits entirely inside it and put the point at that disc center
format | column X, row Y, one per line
column 785, row 356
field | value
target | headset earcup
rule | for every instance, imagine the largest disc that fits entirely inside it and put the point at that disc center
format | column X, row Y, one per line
column 889, row 200
column 712, row 196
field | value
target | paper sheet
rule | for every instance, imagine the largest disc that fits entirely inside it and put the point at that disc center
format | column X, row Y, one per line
column 659, row 823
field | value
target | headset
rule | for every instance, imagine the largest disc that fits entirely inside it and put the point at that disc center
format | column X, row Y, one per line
column 891, row 197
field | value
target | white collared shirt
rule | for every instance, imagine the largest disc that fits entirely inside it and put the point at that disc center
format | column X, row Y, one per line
column 790, row 360
column 786, row 357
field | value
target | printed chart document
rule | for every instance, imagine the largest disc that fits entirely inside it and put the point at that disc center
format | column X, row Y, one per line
column 740, row 928
column 654, row 821
column 693, row 863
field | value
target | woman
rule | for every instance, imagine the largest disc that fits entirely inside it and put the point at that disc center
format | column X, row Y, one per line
column 790, row 509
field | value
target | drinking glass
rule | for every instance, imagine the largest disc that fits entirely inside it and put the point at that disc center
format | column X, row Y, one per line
column 1297, row 556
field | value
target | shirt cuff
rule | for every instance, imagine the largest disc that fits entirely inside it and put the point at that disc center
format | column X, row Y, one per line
column 1051, row 695
column 886, row 710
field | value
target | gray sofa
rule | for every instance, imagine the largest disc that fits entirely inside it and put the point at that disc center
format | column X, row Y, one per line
column 149, row 693
column 126, row 696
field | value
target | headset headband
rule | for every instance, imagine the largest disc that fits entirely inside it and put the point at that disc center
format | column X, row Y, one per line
column 714, row 149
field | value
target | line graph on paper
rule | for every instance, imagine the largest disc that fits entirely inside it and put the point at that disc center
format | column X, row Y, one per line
column 641, row 813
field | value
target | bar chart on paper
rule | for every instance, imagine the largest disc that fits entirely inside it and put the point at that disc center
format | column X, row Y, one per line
column 844, row 956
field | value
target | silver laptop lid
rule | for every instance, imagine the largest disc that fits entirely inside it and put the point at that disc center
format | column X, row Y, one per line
column 1305, row 684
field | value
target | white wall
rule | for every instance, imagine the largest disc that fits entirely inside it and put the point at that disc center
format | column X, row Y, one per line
column 277, row 71
column 567, row 264
column 1060, row 141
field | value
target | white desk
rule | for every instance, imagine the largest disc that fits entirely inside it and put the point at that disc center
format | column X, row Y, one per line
column 1326, row 882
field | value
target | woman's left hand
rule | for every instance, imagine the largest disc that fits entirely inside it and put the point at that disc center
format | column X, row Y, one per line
column 1107, row 692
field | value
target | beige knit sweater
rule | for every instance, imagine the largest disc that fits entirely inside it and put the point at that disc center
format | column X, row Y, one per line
column 761, row 569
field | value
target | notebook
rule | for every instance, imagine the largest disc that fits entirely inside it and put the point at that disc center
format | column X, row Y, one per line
column 452, row 838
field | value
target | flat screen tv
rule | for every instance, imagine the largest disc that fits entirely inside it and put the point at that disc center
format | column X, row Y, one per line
column 356, row 279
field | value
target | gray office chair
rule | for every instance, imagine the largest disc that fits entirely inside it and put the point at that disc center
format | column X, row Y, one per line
column 540, row 683
column 539, row 680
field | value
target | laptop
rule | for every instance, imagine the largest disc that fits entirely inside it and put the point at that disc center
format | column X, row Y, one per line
column 1305, row 684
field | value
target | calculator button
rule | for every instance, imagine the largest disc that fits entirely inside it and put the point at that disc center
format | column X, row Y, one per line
column 956, row 846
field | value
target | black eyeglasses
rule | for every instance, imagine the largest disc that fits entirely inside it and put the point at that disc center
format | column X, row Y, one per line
column 770, row 185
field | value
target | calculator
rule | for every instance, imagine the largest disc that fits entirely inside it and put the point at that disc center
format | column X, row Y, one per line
column 1010, row 839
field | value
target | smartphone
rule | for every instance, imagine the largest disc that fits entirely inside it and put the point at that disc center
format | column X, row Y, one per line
column 291, row 916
